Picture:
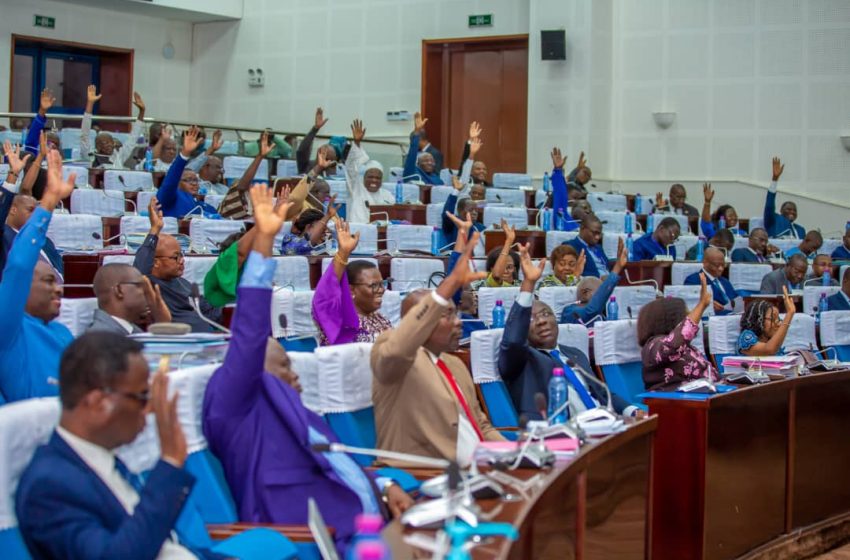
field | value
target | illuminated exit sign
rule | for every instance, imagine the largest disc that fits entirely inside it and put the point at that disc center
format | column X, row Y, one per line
column 483, row 20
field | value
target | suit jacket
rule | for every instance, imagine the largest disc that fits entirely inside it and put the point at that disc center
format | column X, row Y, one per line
column 841, row 253
column 777, row 224
column 837, row 302
column 588, row 313
column 258, row 428
column 687, row 210
column 526, row 370
column 9, row 235
column 438, row 157
column 416, row 410
column 590, row 268
column 772, row 283
column 744, row 255
column 66, row 511
column 103, row 321
column 722, row 291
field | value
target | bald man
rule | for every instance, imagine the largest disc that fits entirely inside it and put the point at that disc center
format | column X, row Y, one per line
column 726, row 297
column 126, row 300
column 15, row 210
column 161, row 259
column 593, row 293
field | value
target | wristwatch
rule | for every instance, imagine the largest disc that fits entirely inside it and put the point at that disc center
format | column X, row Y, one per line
column 385, row 491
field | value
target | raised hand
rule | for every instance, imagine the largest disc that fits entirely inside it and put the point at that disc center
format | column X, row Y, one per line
column 268, row 217
column 455, row 183
column 510, row 234
column 345, row 241
column 358, row 131
column 474, row 145
column 706, row 296
column 191, row 140
column 707, row 192
column 45, row 102
column 558, row 160
column 159, row 310
column 320, row 118
column 13, row 156
column 622, row 257
column 582, row 260
column 42, row 144
column 57, row 188
column 790, row 307
column 322, row 161
column 138, row 101
column 461, row 274
column 91, row 97
column 155, row 216
column 474, row 130
column 659, row 201
column 581, row 161
column 531, row 273
column 462, row 225
column 419, row 122
column 216, row 143
column 266, row 145
column 778, row 168
column 172, row 440
column 333, row 209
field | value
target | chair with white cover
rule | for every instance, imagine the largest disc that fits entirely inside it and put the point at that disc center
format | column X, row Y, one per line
column 558, row 297
column 410, row 192
column 691, row 295
column 829, row 245
column 446, row 175
column 76, row 232
column 195, row 269
column 339, row 189
column 135, row 229
column 368, row 244
column 77, row 313
column 81, row 180
column 484, row 360
column 396, row 173
column 235, row 166
column 540, row 197
column 511, row 180
column 611, row 241
column 739, row 242
column 555, row 238
column 409, row 238
column 97, row 202
column 684, row 244
column 70, row 138
column 681, row 270
column 410, row 274
column 508, row 197
column 617, row 354
column 835, row 333
column 812, row 293
column 801, row 333
column 440, row 193
column 632, row 298
column 785, row 243
column 747, row 277
column 756, row 222
column 487, row 298
column 214, row 200
column 206, row 234
column 612, row 202
column 292, row 272
column 723, row 332
column 614, row 221
column 516, row 217
column 684, row 224
column 127, row 181
column 434, row 214
column 287, row 168
column 143, row 200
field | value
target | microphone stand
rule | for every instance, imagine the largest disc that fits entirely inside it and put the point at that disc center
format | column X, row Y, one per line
column 195, row 303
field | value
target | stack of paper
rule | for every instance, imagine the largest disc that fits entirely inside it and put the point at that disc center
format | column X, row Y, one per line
column 762, row 366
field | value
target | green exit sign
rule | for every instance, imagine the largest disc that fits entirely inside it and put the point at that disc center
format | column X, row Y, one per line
column 483, row 20
column 44, row 21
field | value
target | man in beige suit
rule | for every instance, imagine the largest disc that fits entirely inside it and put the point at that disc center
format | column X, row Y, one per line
column 424, row 397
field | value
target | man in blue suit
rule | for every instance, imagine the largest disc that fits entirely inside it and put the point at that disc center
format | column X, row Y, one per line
column 529, row 351
column 658, row 242
column 76, row 499
column 842, row 252
column 589, row 240
column 840, row 301
column 782, row 224
column 726, row 298
column 593, row 294
column 756, row 250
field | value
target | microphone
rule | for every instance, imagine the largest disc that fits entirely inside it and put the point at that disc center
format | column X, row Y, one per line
column 629, row 310
column 590, row 321
column 417, row 175
column 609, row 406
column 134, row 212
column 379, row 214
column 97, row 236
column 647, row 281
column 667, row 256
column 194, row 301
column 381, row 454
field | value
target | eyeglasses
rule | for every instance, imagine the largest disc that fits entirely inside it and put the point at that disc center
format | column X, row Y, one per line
column 190, row 181
column 142, row 397
column 544, row 314
column 374, row 286
column 176, row 258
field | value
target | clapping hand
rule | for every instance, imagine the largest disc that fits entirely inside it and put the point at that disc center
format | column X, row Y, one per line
column 13, row 156
column 172, row 440
column 531, row 273
column 345, row 241
column 558, row 160
column 778, row 168
column 358, row 131
column 510, row 234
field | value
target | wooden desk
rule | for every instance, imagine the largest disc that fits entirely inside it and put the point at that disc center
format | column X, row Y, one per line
column 413, row 213
column 594, row 506
column 495, row 238
column 739, row 470
column 660, row 271
column 777, row 300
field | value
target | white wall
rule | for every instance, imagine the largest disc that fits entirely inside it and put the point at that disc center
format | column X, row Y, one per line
column 164, row 84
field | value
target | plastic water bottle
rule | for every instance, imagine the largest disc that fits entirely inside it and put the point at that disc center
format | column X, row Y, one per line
column 630, row 244
column 149, row 159
column 498, row 315
column 826, row 278
column 700, row 248
column 557, row 396
column 628, row 226
column 650, row 222
column 435, row 241
column 371, row 550
column 203, row 191
column 367, row 541
column 822, row 306
column 547, row 219
column 638, row 204
column 547, row 184
column 721, row 223
column 561, row 221
column 399, row 193
column 613, row 311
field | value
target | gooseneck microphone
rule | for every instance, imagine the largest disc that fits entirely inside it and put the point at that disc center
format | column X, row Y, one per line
column 194, row 301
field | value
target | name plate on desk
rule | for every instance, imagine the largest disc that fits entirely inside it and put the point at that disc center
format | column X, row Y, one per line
column 663, row 258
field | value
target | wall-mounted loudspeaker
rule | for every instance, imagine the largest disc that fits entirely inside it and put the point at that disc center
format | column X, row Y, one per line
column 553, row 44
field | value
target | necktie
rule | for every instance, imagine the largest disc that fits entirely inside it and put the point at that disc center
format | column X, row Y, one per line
column 578, row 387
column 719, row 294
column 133, row 479
column 461, row 399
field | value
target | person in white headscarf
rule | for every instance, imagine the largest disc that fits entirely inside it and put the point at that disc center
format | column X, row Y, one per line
column 364, row 178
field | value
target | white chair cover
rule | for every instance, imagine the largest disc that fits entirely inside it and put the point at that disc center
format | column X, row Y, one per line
column 76, row 232
column 345, row 378
column 235, row 166
column 517, row 217
column 614, row 222
column 723, row 334
column 615, row 342
column 122, row 259
column 340, row 189
column 297, row 306
column 611, row 202
column 610, row 242
column 446, row 175
column 477, row 265
column 487, row 301
column 292, row 272
column 511, row 180
column 77, row 313
column 207, row 234
column 801, row 333
column 835, row 328
column 24, row 426
column 439, row 194
column 196, row 268
column 691, row 296
column 830, row 245
column 555, row 238
column 140, row 225
column 396, row 173
column 214, row 200
column 574, row 336
column 326, row 262
column 647, row 203
column 558, row 298
column 287, row 168
column 811, row 296
column 681, row 270
column 409, row 238
column 540, row 197
column 82, row 175
column 684, row 225
column 412, row 274
column 70, row 138
column 143, row 200
column 97, row 202
column 434, row 214
column 306, row 365
column 740, row 243
column 368, row 244
column 391, row 306
column 484, row 355
column 756, row 222
column 634, row 297
column 508, row 197
column 746, row 276
column 410, row 192
column 683, row 244
column 132, row 180
column 784, row 244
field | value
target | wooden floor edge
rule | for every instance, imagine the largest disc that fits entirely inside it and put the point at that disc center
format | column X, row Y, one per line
column 806, row 542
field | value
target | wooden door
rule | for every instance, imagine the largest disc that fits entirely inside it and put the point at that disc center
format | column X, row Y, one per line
column 478, row 79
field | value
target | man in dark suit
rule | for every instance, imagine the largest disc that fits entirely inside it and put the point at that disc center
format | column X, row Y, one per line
column 15, row 210
column 126, row 300
column 76, row 499
column 757, row 250
column 676, row 204
column 529, row 351
column 589, row 240
column 790, row 276
column 425, row 146
column 726, row 298
column 840, row 301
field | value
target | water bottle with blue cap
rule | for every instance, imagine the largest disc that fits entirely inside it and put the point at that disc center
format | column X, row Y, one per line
column 557, row 397
column 435, row 241
column 638, row 204
column 547, row 184
column 399, row 192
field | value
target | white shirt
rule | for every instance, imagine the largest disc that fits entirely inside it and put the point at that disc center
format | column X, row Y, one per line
column 127, row 325
column 102, row 462
column 357, row 212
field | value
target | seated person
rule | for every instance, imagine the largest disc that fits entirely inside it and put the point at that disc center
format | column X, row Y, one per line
column 762, row 332
column 782, row 224
column 347, row 301
column 710, row 223
column 164, row 151
column 665, row 329
column 477, row 169
column 466, row 298
column 842, row 252
column 280, row 149
column 179, row 192
column 426, row 147
column 363, row 178
column 789, row 277
column 676, row 203
column 312, row 191
column 567, row 266
column 589, row 240
column 420, row 165
column 424, row 397
column 757, row 250
column 821, row 263
column 32, row 142
column 593, row 294
column 529, row 351
column 503, row 264
column 578, row 178
column 255, row 421
column 808, row 247
column 463, row 207
column 105, row 154
column 222, row 279
column 209, row 168
column 659, row 242
column 234, row 205
column 478, row 192
column 76, row 499
column 332, row 152
column 126, row 300
column 840, row 301
column 307, row 233
column 31, row 341
column 726, row 298
column 562, row 197
column 161, row 260
column 722, row 240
